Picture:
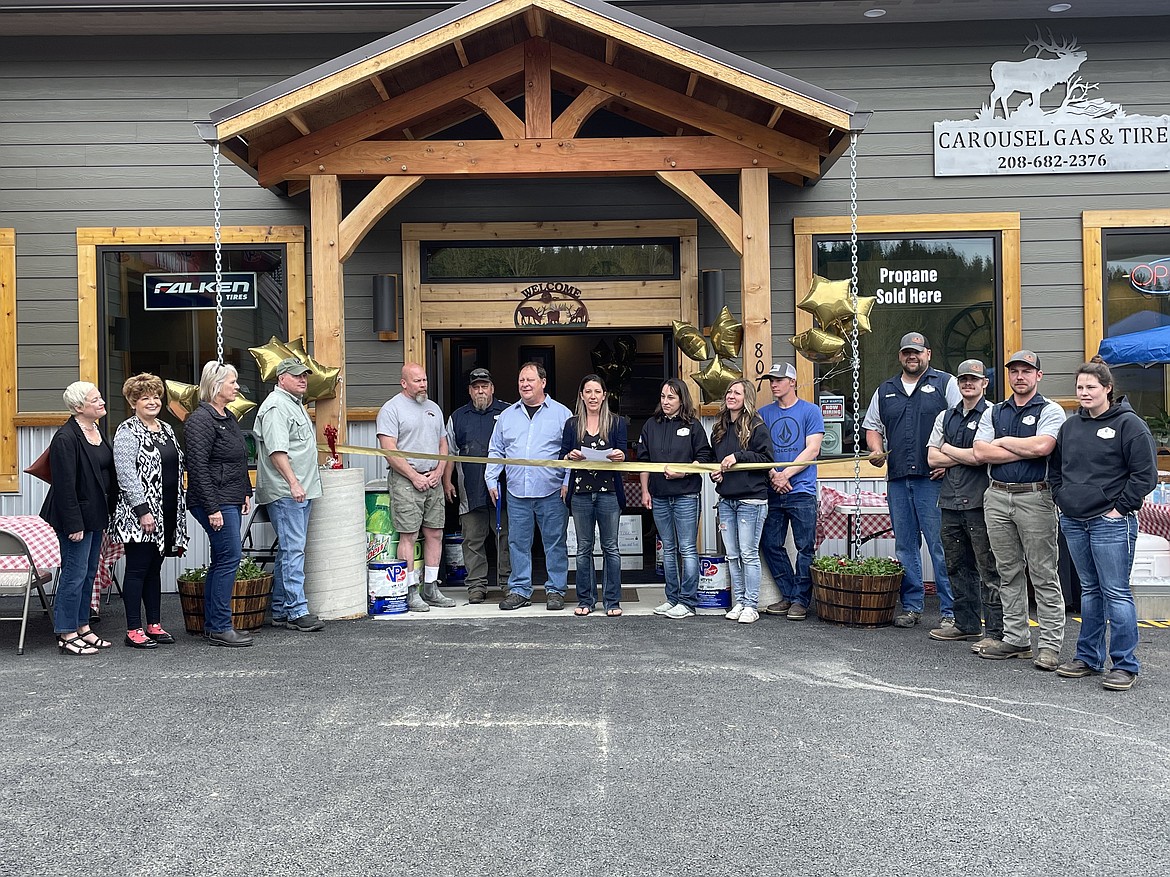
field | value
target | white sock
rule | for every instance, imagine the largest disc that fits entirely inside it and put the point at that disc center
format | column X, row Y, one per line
column 412, row 578
column 431, row 574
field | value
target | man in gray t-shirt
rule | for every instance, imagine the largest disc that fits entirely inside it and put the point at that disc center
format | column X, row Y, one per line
column 412, row 422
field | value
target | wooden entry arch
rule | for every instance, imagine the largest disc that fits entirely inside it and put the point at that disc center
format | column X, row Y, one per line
column 553, row 81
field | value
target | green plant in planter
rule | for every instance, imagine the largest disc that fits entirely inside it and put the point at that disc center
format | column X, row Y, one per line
column 859, row 566
column 249, row 569
column 1159, row 425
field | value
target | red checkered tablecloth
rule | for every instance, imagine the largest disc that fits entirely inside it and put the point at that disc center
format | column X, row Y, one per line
column 832, row 524
column 46, row 551
column 1154, row 518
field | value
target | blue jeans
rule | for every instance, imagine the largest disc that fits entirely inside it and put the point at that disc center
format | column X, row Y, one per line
column 552, row 515
column 677, row 521
column 915, row 514
column 799, row 510
column 221, row 572
column 740, row 524
column 290, row 520
column 602, row 510
column 79, row 565
column 1102, row 549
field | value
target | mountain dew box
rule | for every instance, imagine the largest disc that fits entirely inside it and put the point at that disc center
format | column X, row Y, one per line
column 381, row 537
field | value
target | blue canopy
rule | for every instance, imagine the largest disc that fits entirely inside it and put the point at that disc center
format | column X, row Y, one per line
column 1146, row 348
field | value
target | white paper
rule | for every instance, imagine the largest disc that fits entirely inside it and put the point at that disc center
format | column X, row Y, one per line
column 598, row 454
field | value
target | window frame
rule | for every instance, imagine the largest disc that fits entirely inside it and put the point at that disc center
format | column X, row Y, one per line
column 9, row 448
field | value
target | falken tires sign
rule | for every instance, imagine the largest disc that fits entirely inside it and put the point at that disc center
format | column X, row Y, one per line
column 196, row 292
column 1021, row 129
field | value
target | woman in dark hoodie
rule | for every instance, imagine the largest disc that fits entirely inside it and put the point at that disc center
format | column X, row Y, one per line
column 740, row 436
column 1103, row 466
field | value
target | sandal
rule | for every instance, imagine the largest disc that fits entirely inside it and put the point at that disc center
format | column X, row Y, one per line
column 583, row 610
column 75, row 645
column 614, row 611
column 97, row 642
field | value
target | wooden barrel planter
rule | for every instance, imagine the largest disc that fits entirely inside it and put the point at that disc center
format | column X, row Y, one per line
column 856, row 600
column 250, row 599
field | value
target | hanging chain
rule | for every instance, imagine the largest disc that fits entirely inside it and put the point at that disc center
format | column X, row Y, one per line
column 856, row 547
column 218, row 258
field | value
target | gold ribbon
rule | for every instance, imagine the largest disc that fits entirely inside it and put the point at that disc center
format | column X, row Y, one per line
column 594, row 465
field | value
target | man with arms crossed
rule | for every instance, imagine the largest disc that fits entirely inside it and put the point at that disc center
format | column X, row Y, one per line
column 1015, row 437
column 412, row 422
column 970, row 565
column 532, row 429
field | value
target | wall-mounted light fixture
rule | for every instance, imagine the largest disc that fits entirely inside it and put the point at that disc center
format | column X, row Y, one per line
column 712, row 297
column 385, row 295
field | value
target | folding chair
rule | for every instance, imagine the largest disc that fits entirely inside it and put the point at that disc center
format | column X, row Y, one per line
column 252, row 545
column 22, row 582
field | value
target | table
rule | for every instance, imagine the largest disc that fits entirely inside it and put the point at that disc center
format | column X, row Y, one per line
column 46, row 552
column 837, row 512
column 1154, row 518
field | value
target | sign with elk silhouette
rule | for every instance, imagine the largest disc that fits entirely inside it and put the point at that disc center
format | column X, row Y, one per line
column 551, row 304
column 1043, row 117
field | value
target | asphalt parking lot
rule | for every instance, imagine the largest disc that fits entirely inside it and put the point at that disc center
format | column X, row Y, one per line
column 550, row 744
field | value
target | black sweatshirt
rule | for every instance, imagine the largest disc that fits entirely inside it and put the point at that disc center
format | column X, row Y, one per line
column 671, row 440
column 1102, row 463
column 747, row 483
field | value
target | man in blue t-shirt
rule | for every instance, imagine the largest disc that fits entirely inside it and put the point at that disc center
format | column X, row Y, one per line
column 797, row 428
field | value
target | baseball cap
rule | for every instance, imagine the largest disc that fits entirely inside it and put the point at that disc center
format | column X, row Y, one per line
column 780, row 370
column 292, row 366
column 1027, row 357
column 913, row 341
column 971, row 367
column 479, row 374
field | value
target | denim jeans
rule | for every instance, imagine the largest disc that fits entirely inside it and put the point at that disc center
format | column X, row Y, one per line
column 971, row 570
column 552, row 515
column 741, row 524
column 79, row 566
column 677, row 521
column 290, row 520
column 221, row 572
column 915, row 515
column 1022, row 530
column 1102, row 550
column 600, row 510
column 799, row 510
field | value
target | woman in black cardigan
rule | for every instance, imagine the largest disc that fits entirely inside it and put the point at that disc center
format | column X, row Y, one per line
column 218, row 494
column 78, row 506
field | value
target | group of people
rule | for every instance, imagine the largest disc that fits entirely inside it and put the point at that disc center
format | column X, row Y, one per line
column 990, row 487
column 134, row 489
column 986, row 486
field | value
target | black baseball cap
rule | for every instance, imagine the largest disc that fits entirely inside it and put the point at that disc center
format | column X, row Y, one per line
column 479, row 374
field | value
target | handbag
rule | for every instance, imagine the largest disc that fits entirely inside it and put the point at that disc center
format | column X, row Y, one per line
column 41, row 468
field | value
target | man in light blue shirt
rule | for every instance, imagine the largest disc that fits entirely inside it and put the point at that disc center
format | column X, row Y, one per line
column 532, row 429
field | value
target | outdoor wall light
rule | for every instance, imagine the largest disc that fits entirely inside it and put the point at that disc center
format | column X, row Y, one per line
column 385, row 295
column 712, row 298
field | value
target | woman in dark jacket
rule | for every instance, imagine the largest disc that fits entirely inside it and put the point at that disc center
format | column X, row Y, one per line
column 596, row 498
column 78, row 507
column 1100, row 471
column 740, row 436
column 151, row 517
column 218, row 493
column 674, row 435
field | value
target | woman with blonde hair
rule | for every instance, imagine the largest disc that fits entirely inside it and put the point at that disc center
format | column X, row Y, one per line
column 151, row 516
column 218, row 494
column 740, row 436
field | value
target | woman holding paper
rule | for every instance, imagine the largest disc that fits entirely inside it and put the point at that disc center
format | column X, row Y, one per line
column 595, row 497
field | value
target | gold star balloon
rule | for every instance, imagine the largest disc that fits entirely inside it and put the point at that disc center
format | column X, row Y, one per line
column 715, row 377
column 726, row 334
column 844, row 325
column 817, row 345
column 182, row 399
column 323, row 381
column 691, row 341
column 828, row 300
column 269, row 356
column 240, row 406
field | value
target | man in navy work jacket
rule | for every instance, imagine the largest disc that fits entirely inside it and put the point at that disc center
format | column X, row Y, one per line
column 469, row 431
column 1015, row 437
column 900, row 417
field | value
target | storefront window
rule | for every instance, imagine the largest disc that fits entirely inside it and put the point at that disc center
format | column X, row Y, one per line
column 1136, row 299
column 948, row 287
column 567, row 260
column 159, row 313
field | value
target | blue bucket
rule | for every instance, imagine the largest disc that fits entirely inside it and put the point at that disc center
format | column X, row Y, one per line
column 714, row 583
column 387, row 587
column 453, row 557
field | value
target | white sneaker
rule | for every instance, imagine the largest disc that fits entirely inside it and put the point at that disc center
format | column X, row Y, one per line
column 664, row 609
column 732, row 614
column 680, row 611
column 748, row 615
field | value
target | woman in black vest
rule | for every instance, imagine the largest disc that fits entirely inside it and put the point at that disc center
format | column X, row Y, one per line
column 78, row 507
